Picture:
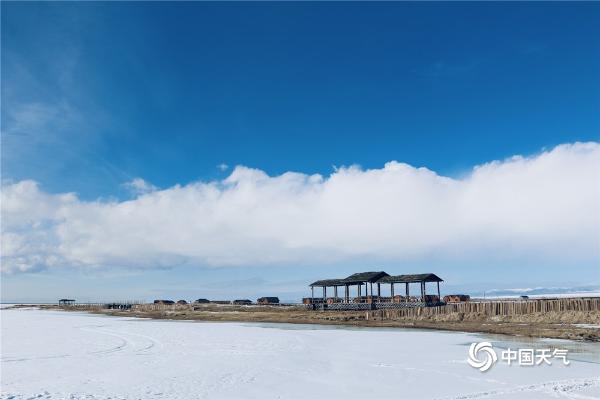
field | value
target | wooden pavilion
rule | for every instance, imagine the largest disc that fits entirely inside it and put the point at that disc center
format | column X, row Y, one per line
column 66, row 302
column 365, row 292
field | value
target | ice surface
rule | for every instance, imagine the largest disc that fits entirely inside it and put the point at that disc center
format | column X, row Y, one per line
column 60, row 355
column 590, row 326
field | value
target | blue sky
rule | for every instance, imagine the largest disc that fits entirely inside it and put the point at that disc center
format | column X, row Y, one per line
column 95, row 95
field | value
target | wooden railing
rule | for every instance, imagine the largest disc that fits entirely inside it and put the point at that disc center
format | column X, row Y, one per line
column 492, row 308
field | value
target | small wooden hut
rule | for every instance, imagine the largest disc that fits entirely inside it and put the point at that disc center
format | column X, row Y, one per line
column 164, row 302
column 202, row 301
column 268, row 300
column 456, row 298
column 182, row 302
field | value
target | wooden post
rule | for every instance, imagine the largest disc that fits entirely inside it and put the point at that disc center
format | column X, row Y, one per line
column 439, row 295
column 346, row 294
column 378, row 292
column 335, row 293
column 324, row 293
column 312, row 295
column 359, row 290
column 407, row 292
column 349, row 294
column 392, row 291
column 348, row 288
column 423, row 292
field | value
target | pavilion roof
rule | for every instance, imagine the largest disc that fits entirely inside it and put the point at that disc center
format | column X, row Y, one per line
column 353, row 279
column 360, row 277
column 328, row 282
column 377, row 276
column 429, row 277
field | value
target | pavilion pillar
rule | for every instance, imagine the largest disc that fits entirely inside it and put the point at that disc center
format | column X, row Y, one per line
column 334, row 293
column 359, row 290
column 407, row 292
column 312, row 295
column 378, row 292
column 346, row 294
column 439, row 296
column 392, row 291
column 423, row 291
column 324, row 293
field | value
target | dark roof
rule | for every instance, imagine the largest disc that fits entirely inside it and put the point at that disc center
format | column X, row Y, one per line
column 269, row 299
column 372, row 276
column 164, row 302
column 359, row 277
column 411, row 278
column 377, row 276
column 329, row 282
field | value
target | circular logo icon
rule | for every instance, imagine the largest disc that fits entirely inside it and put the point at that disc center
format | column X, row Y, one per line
column 482, row 356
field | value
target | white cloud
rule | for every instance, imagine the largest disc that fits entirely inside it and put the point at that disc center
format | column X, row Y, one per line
column 139, row 186
column 223, row 167
column 540, row 207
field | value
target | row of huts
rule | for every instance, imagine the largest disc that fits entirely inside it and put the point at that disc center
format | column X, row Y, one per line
column 362, row 290
column 242, row 302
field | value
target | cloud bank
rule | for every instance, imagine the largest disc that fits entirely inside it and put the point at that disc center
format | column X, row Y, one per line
column 542, row 207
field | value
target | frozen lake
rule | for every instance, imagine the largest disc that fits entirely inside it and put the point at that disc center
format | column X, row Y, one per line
column 58, row 355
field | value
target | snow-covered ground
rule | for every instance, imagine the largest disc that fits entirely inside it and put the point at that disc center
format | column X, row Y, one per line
column 57, row 355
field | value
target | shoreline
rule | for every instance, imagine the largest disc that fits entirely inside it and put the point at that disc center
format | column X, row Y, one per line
column 560, row 325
